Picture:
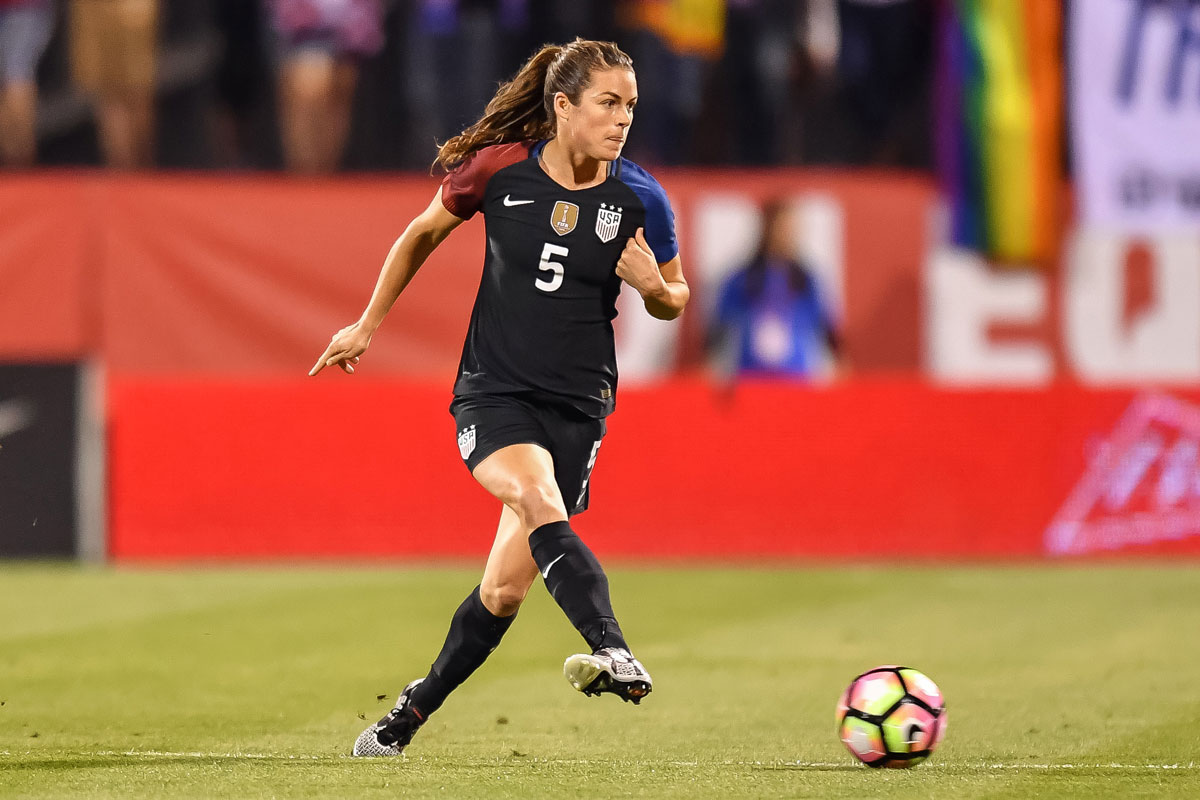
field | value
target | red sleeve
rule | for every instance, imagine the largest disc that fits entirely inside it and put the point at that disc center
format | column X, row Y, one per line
column 464, row 186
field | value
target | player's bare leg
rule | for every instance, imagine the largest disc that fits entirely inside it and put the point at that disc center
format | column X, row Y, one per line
column 522, row 477
column 510, row 569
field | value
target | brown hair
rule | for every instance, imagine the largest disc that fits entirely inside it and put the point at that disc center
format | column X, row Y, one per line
column 523, row 108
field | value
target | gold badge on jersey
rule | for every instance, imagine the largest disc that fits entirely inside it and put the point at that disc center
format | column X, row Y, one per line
column 564, row 217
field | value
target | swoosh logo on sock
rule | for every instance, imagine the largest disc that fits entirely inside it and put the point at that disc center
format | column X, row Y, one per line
column 546, row 571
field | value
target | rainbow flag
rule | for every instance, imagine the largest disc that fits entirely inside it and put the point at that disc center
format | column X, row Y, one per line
column 998, row 106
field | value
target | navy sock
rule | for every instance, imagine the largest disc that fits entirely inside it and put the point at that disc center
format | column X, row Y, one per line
column 474, row 633
column 577, row 583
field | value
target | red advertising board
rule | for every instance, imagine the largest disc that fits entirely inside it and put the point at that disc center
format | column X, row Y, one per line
column 171, row 273
column 207, row 298
column 888, row 469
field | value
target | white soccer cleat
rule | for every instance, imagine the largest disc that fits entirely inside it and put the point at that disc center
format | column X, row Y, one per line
column 391, row 735
column 609, row 669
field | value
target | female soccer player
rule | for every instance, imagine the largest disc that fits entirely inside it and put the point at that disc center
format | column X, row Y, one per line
column 567, row 220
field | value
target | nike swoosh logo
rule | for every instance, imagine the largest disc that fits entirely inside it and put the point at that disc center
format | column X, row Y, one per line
column 546, row 571
column 508, row 201
column 15, row 415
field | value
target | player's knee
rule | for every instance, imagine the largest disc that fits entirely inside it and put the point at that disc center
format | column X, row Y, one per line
column 502, row 598
column 537, row 502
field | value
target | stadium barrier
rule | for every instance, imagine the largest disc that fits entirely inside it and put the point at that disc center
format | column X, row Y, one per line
column 202, row 296
column 246, row 275
column 52, row 457
column 879, row 469
column 221, row 276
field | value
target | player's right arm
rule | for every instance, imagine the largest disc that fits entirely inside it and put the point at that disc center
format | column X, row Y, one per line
column 420, row 238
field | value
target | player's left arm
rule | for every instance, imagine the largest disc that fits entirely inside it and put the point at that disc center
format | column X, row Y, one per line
column 662, row 286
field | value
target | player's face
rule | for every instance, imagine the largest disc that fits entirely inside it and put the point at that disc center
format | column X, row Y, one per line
column 600, row 123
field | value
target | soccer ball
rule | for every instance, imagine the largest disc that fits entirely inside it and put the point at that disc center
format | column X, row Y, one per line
column 891, row 717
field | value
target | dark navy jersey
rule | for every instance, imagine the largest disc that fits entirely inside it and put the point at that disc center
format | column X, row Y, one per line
column 542, row 320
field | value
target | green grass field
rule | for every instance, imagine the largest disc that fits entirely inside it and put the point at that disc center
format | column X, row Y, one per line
column 1060, row 682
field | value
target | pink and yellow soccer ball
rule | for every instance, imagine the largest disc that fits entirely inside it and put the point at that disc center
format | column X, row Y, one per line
column 891, row 717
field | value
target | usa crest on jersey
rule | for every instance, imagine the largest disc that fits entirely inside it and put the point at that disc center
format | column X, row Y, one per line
column 607, row 222
column 466, row 442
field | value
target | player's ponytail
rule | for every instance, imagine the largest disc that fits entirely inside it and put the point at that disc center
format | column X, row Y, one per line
column 523, row 108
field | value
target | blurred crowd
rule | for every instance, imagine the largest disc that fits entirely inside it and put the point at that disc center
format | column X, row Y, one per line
column 317, row 86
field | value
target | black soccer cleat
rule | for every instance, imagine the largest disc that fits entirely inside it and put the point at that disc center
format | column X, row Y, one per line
column 609, row 669
column 391, row 735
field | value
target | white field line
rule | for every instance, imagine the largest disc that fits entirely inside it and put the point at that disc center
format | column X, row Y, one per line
column 1191, row 765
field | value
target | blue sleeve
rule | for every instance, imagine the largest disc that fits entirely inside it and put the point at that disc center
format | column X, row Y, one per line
column 660, row 219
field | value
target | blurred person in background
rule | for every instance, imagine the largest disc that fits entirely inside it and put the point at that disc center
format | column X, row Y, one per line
column 319, row 44
column 25, row 29
column 758, row 63
column 771, row 316
column 883, row 69
column 676, row 43
column 114, row 60
column 559, row 20
column 242, row 100
column 773, row 50
column 457, row 52
column 567, row 220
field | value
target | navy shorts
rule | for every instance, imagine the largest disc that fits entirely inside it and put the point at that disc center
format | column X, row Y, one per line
column 486, row 423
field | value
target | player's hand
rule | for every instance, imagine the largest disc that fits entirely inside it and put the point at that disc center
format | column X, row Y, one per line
column 638, row 268
column 344, row 349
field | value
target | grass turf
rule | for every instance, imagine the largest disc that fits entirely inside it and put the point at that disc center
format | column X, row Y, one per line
column 1061, row 682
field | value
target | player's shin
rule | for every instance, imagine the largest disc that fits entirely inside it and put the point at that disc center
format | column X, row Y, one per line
column 577, row 583
column 474, row 633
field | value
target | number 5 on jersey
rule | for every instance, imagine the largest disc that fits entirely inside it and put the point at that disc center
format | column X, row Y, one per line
column 553, row 267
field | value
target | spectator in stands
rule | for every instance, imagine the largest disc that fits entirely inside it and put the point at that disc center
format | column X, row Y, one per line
column 762, row 49
column 884, row 73
column 241, row 108
column 771, row 316
column 114, row 59
column 675, row 44
column 25, row 28
column 556, row 20
column 320, row 45
column 456, row 54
